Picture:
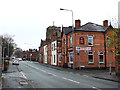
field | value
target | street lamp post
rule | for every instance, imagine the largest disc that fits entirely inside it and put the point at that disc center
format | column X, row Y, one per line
column 73, row 31
column 3, row 58
column 30, row 56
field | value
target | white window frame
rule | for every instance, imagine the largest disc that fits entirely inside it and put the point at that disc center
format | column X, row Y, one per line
column 102, row 55
column 60, row 59
column 54, row 59
column 92, row 55
column 70, row 58
column 70, row 41
column 90, row 38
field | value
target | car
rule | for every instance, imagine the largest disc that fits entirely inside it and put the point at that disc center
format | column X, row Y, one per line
column 15, row 62
column 19, row 59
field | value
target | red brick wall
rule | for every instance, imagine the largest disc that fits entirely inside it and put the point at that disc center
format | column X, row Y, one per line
column 98, row 45
column 49, row 53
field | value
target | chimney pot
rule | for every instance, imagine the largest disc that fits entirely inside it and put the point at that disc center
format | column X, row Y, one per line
column 105, row 23
column 77, row 23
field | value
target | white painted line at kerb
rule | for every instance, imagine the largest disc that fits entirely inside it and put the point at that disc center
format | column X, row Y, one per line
column 71, row 80
column 23, row 75
column 96, row 88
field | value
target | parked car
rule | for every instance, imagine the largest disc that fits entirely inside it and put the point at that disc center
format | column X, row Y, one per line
column 15, row 62
column 20, row 59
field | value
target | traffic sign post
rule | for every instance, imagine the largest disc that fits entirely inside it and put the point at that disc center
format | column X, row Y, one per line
column 82, row 48
column 79, row 60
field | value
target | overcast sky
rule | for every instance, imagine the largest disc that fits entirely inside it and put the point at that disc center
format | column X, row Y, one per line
column 27, row 20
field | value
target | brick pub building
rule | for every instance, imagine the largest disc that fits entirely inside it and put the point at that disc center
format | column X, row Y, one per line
column 91, row 36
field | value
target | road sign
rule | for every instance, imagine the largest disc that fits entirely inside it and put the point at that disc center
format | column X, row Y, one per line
column 83, row 48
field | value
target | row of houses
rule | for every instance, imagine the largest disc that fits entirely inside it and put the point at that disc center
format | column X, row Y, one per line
column 87, row 46
column 31, row 54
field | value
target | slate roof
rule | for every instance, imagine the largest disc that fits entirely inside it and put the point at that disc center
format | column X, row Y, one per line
column 42, row 42
column 92, row 27
column 89, row 27
column 66, row 30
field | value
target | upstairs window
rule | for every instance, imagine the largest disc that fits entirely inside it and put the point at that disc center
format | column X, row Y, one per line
column 90, row 40
column 70, row 41
column 54, row 46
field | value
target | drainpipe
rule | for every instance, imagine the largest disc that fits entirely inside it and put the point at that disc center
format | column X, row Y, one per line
column 105, row 49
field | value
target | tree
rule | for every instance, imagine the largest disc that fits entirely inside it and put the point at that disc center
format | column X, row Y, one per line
column 113, row 38
column 8, row 42
column 18, row 52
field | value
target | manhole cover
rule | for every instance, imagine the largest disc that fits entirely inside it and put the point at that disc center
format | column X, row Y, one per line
column 23, row 82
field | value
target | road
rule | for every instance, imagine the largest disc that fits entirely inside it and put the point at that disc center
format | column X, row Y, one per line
column 40, row 76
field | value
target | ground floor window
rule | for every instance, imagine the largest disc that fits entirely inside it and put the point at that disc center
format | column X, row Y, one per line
column 60, row 57
column 71, row 57
column 90, row 56
column 101, row 57
column 54, row 58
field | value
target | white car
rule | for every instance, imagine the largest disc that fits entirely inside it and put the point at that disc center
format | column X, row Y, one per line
column 19, row 59
column 15, row 62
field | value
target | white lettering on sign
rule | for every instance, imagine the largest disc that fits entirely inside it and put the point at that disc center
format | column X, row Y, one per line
column 83, row 48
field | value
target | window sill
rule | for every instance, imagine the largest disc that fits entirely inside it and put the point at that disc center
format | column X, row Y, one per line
column 101, row 62
column 70, row 62
column 60, row 62
column 90, row 62
column 90, row 45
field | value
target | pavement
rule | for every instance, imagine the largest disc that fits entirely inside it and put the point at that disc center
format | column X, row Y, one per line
column 16, row 77
column 100, row 74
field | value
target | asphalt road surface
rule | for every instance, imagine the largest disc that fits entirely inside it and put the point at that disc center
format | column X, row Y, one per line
column 40, row 76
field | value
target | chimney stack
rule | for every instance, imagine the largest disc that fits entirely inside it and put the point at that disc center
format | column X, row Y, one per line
column 105, row 23
column 77, row 23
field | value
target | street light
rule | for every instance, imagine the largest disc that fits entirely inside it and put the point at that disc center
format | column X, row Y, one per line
column 3, row 58
column 72, row 29
column 30, row 56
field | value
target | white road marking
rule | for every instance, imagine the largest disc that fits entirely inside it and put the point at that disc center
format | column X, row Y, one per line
column 71, row 80
column 54, row 75
column 85, row 75
column 96, row 88
column 23, row 75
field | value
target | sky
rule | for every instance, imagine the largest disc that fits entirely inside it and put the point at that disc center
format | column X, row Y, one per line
column 27, row 20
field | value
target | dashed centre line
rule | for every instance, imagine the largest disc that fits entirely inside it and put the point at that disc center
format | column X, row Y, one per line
column 71, row 80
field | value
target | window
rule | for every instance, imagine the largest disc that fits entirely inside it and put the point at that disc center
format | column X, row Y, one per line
column 101, row 57
column 54, row 58
column 90, row 40
column 60, row 57
column 54, row 46
column 70, row 41
column 90, row 56
column 46, row 49
column 64, row 42
column 71, row 57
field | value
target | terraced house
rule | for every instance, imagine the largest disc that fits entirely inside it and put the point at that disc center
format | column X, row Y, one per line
column 48, row 48
column 91, row 46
